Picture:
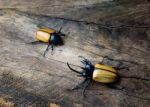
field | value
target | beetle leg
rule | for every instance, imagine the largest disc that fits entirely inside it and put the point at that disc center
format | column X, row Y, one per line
column 60, row 29
column 63, row 35
column 83, row 68
column 119, row 66
column 84, row 59
column 80, row 75
column 83, row 62
column 86, row 86
column 34, row 42
column 77, row 86
column 103, row 59
column 46, row 49
column 52, row 49
column 109, row 58
column 73, row 69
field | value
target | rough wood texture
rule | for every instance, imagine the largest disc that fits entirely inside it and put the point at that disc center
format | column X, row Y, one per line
column 27, row 78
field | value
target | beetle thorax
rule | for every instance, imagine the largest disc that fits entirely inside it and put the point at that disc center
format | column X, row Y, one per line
column 89, row 70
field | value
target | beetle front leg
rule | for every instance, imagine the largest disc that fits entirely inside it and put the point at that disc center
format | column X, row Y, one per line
column 77, row 86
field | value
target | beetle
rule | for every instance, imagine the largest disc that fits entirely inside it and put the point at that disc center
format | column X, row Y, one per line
column 99, row 72
column 50, row 36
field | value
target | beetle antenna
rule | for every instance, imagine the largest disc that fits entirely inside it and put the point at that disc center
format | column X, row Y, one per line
column 73, row 69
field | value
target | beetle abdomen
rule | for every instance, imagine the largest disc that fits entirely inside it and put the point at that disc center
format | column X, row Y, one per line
column 44, row 34
column 104, row 74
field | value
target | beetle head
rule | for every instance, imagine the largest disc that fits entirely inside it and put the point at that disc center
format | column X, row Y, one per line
column 87, row 70
column 87, row 64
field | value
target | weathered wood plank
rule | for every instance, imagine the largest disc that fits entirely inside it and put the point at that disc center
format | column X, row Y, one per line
column 24, row 72
column 109, row 12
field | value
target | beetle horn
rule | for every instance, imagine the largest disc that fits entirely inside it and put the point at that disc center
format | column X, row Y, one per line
column 73, row 69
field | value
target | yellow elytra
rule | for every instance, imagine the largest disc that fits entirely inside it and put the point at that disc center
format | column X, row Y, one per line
column 104, row 74
column 44, row 34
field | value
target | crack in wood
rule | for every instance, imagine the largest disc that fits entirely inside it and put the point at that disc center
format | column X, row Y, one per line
column 100, row 25
column 85, row 22
column 134, row 77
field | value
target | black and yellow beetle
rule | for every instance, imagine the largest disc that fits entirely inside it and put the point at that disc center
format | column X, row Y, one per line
column 50, row 36
column 99, row 72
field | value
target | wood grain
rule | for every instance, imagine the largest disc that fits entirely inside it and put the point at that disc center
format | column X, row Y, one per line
column 28, row 79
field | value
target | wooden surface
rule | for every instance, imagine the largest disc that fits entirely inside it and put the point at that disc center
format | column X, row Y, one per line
column 27, row 78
